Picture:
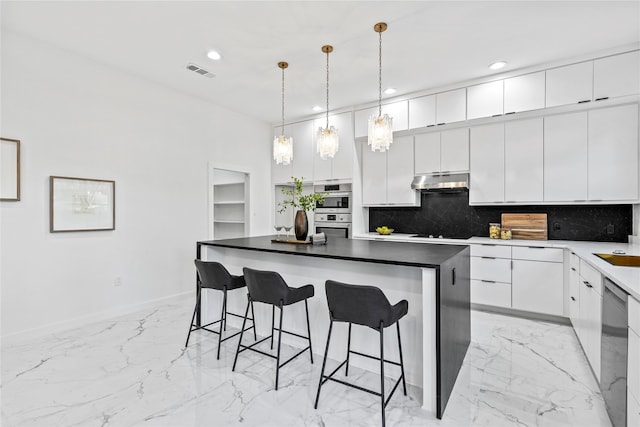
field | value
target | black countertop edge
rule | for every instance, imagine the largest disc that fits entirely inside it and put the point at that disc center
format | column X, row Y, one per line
column 312, row 251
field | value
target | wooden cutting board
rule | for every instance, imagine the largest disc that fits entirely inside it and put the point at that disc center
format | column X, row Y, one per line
column 526, row 226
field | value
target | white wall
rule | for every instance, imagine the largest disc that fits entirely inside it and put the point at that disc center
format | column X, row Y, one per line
column 78, row 118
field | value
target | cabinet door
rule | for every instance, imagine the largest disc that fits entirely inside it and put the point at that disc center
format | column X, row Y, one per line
column 565, row 157
column 524, row 161
column 454, row 150
column 574, row 299
column 374, row 176
column 427, row 153
column 613, row 153
column 486, row 176
column 524, row 93
column 400, row 172
column 280, row 173
column 485, row 100
column 451, row 106
column 570, row 85
column 398, row 111
column 537, row 287
column 422, row 111
column 491, row 293
column 616, row 75
column 302, row 149
column 591, row 316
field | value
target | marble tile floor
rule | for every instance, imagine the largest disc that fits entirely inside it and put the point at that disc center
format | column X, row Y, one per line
column 133, row 371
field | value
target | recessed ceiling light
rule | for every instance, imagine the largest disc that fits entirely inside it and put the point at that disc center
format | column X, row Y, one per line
column 212, row 54
column 497, row 65
column 317, row 108
column 389, row 91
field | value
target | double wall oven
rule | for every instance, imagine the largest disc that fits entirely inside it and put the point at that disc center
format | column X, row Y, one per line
column 333, row 216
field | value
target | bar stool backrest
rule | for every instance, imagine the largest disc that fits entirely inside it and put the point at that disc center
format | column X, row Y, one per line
column 362, row 305
column 213, row 275
column 265, row 286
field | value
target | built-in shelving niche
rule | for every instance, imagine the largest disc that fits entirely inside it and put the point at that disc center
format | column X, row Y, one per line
column 230, row 204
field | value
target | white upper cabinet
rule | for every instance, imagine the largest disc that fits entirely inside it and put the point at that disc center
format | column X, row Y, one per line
column 454, row 150
column 486, row 178
column 524, row 93
column 442, row 152
column 485, row 100
column 613, row 153
column 422, row 112
column 341, row 166
column 617, row 75
column 303, row 144
column 427, row 153
column 399, row 111
column 565, row 157
column 451, row 106
column 387, row 176
column 570, row 85
column 524, row 160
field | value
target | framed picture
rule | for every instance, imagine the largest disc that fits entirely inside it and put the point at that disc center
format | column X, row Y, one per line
column 81, row 204
column 9, row 170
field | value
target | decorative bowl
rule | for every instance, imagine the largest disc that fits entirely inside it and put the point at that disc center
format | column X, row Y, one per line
column 385, row 231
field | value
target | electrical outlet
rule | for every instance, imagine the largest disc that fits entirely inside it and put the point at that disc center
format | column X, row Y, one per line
column 117, row 281
column 556, row 226
column 610, row 229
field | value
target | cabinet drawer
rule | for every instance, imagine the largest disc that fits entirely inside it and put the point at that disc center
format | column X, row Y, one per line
column 535, row 253
column 574, row 261
column 634, row 317
column 591, row 275
column 491, row 293
column 492, row 269
column 633, row 365
column 496, row 251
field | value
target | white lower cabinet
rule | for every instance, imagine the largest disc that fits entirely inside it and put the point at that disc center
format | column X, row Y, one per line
column 491, row 275
column 574, row 291
column 633, row 362
column 590, row 320
column 537, row 280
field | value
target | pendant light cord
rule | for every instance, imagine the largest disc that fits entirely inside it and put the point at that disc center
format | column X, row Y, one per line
column 327, row 111
column 282, row 102
column 380, row 75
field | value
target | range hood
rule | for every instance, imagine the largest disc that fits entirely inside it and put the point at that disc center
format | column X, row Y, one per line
column 456, row 181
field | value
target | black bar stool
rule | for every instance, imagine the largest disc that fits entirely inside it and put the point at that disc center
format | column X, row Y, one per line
column 366, row 306
column 269, row 287
column 213, row 275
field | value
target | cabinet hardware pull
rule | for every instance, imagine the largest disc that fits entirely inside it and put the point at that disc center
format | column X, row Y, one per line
column 584, row 101
column 573, row 299
column 487, row 244
column 512, row 112
column 587, row 283
column 496, row 115
column 430, row 126
column 574, row 269
column 535, row 247
column 602, row 99
column 440, row 124
column 453, row 278
column 488, row 257
column 488, row 281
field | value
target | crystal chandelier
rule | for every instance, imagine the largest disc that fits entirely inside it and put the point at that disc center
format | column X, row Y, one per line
column 327, row 140
column 282, row 146
column 380, row 135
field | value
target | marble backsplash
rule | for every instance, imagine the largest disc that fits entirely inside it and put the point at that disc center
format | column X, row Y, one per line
column 449, row 214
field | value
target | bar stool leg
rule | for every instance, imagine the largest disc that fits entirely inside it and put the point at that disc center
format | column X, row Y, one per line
column 222, row 320
column 404, row 384
column 324, row 363
column 306, row 307
column 382, row 372
column 253, row 320
column 195, row 310
column 346, row 369
column 279, row 342
column 244, row 321
column 273, row 314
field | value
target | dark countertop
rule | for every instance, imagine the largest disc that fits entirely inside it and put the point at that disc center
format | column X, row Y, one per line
column 397, row 253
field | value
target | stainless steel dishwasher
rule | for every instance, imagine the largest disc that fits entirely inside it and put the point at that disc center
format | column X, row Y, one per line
column 613, row 376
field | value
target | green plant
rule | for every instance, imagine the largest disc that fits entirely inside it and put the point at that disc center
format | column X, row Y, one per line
column 305, row 202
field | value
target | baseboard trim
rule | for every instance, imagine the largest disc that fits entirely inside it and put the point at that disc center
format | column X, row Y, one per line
column 76, row 322
column 521, row 313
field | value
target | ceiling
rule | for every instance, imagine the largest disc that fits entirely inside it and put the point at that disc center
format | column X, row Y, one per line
column 428, row 43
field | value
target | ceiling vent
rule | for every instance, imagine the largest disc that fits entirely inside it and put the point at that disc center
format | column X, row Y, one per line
column 196, row 69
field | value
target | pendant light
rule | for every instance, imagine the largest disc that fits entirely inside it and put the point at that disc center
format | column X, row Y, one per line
column 380, row 127
column 327, row 140
column 282, row 146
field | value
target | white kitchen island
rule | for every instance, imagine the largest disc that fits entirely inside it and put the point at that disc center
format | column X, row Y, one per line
column 434, row 279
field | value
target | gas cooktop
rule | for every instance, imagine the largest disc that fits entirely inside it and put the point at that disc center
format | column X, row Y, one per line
column 440, row 236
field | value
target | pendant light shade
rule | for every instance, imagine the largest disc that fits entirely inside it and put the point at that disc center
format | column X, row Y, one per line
column 380, row 132
column 282, row 146
column 327, row 138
